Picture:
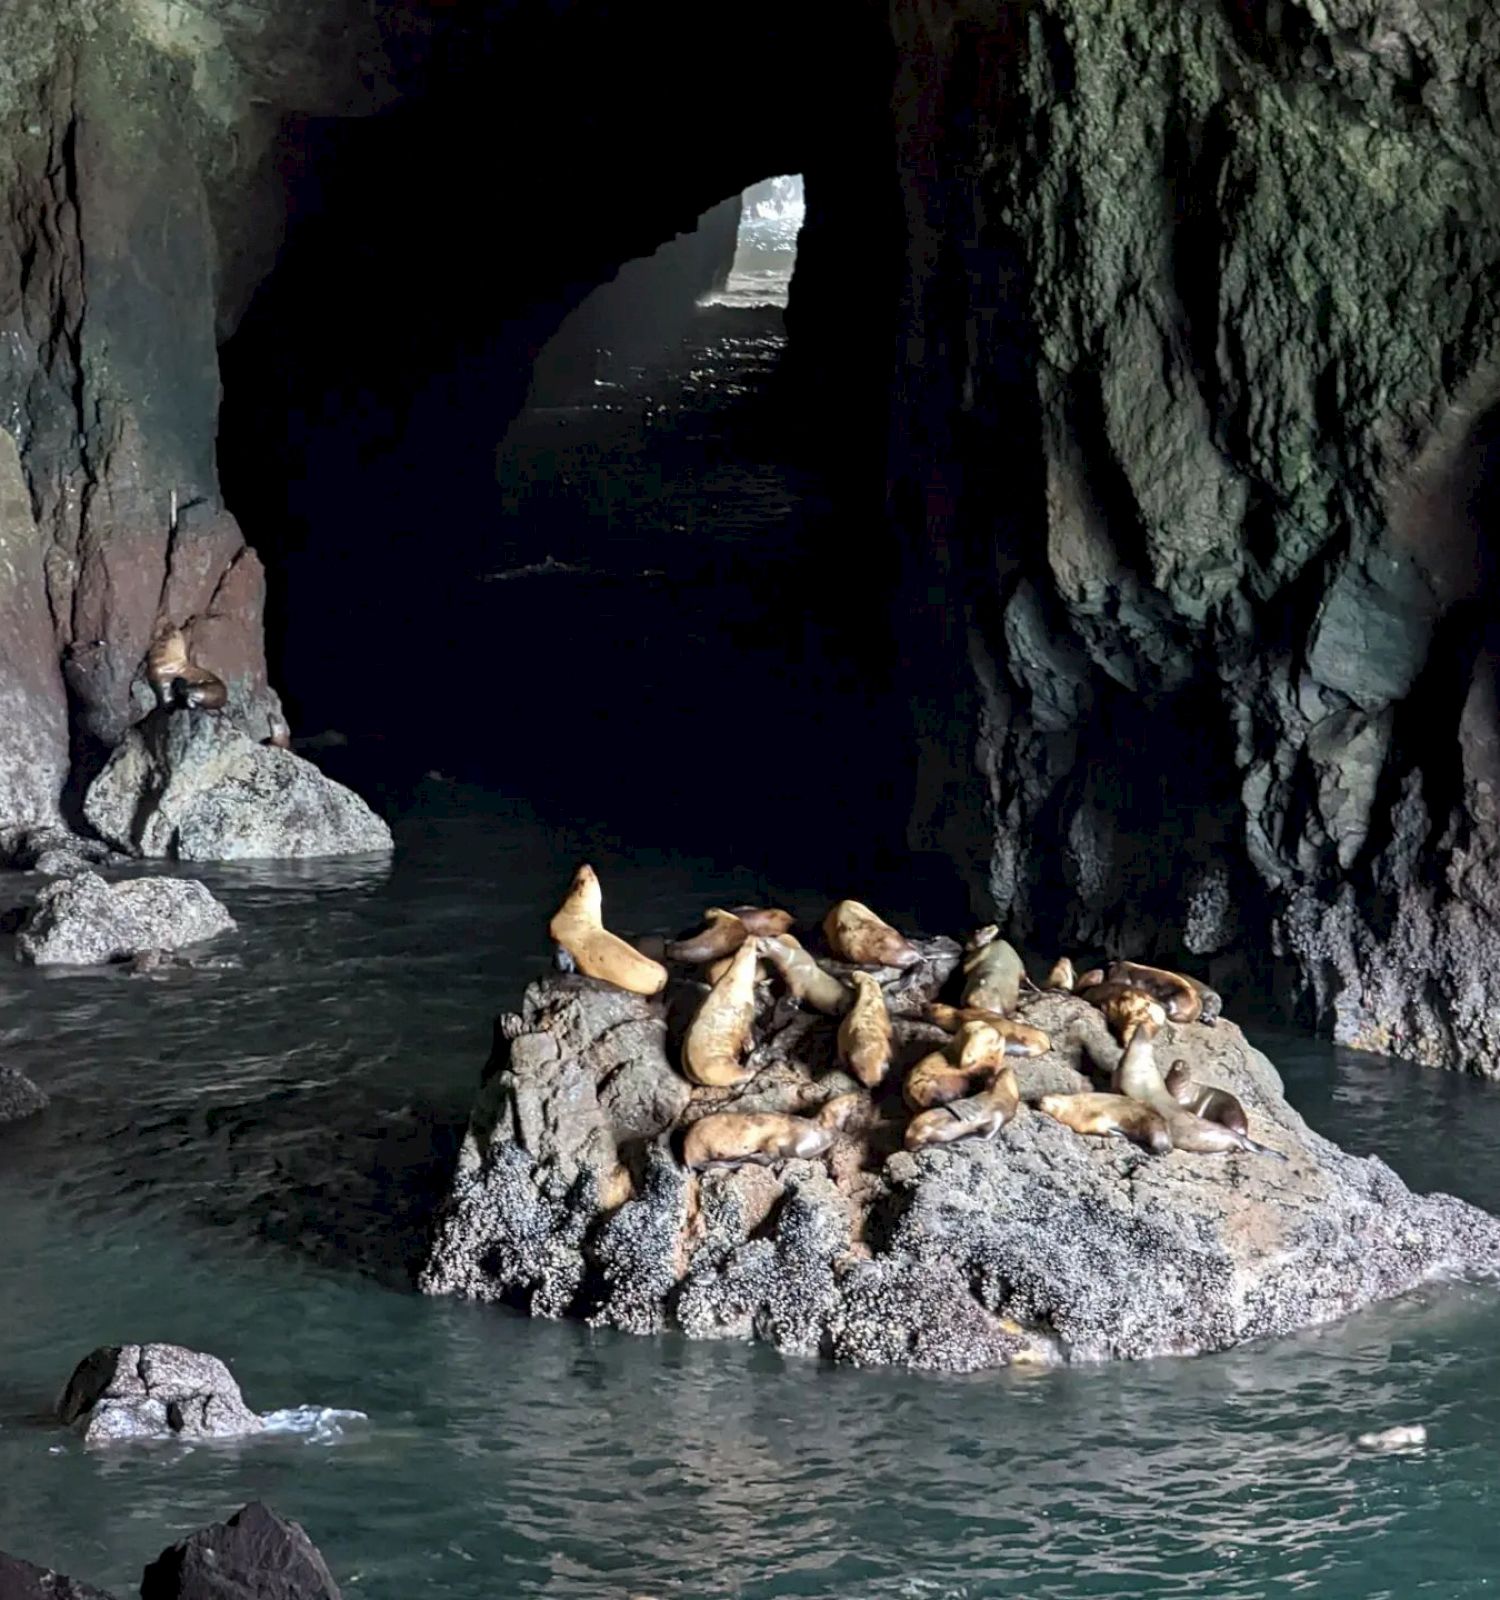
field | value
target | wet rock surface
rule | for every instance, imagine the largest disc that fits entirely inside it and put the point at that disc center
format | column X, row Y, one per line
column 190, row 786
column 1040, row 1246
column 254, row 1555
column 19, row 1096
column 53, row 851
column 154, row 1391
column 82, row 920
column 21, row 1580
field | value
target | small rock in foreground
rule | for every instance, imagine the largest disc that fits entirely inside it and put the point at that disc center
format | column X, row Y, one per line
column 19, row 1097
column 154, row 1391
column 255, row 1555
column 83, row 921
column 20, row 1580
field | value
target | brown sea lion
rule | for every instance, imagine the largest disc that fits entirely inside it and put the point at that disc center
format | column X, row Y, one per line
column 993, row 973
column 718, row 1038
column 1021, row 1039
column 1139, row 1076
column 1124, row 1007
column 1087, row 980
column 980, row 1116
column 864, row 1042
column 177, row 680
column 1185, row 999
column 1203, row 1100
column 764, row 919
column 722, row 934
column 1116, row 1115
column 856, row 935
column 579, row 929
column 280, row 736
column 975, row 1055
column 729, row 1138
column 1062, row 976
column 806, row 981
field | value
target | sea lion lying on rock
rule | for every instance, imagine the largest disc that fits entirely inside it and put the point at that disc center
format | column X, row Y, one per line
column 1140, row 1078
column 979, row 1116
column 805, row 980
column 1021, row 1039
column 856, row 935
column 1184, row 999
column 864, row 1038
column 1109, row 1115
column 731, row 1138
column 1203, row 1100
column 993, row 973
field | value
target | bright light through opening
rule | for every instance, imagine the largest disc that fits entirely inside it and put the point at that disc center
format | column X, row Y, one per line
column 766, row 248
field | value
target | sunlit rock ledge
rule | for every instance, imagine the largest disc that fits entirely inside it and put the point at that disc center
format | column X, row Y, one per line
column 1041, row 1245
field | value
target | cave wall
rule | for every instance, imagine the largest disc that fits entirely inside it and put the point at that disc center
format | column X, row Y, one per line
column 1196, row 458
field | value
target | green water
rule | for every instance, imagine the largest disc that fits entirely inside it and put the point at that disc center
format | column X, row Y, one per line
column 226, row 1165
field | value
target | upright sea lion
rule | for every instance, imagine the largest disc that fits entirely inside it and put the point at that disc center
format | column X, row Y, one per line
column 579, row 928
column 722, row 934
column 976, row 1054
column 865, row 1033
column 1185, row 999
column 806, row 981
column 177, row 680
column 1139, row 1076
column 992, row 973
column 1124, row 1007
column 764, row 919
column 981, row 1116
column 280, row 736
column 1062, row 976
column 1116, row 1115
column 1203, row 1100
column 856, row 935
column 1021, row 1039
column 718, row 1037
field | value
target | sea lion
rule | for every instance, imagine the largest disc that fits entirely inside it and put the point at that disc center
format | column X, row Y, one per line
column 719, row 1035
column 864, row 1042
column 579, row 929
column 806, row 981
column 1021, row 1039
column 1185, row 999
column 764, row 919
column 980, row 1116
column 1124, row 1007
column 856, row 935
column 716, row 970
column 977, row 1052
column 177, row 680
column 992, row 973
column 1139, row 1076
column 1087, row 980
column 280, row 736
column 1203, row 1100
column 728, row 1138
column 721, row 936
column 1115, row 1115
column 1062, row 976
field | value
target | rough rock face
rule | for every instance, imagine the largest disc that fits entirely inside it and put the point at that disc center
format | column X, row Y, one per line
column 190, row 786
column 82, row 920
column 1206, row 492
column 19, row 1096
column 52, row 850
column 1040, row 1246
column 153, row 1391
column 255, row 1555
column 20, row 1580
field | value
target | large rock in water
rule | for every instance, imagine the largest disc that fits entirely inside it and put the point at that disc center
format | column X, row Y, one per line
column 154, row 1391
column 1040, row 1246
column 20, row 1580
column 190, row 786
column 83, row 920
column 255, row 1555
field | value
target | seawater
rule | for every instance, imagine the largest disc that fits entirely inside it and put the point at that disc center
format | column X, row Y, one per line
column 226, row 1164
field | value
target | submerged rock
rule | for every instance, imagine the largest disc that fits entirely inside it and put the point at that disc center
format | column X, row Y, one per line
column 20, row 1580
column 569, row 1198
column 154, row 1391
column 52, row 850
column 190, row 786
column 19, row 1096
column 83, row 920
column 255, row 1555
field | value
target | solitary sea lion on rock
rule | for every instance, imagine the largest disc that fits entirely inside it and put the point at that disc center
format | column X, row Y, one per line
column 729, row 1138
column 1140, row 1077
column 723, row 934
column 806, row 981
column 1113, row 1115
column 992, row 973
column 1184, row 998
column 865, row 1033
column 718, row 1038
column 1203, row 1100
column 981, row 1116
column 579, row 929
column 177, row 680
column 856, row 935
column 1021, row 1039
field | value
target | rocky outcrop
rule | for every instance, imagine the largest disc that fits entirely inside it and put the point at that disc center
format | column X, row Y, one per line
column 154, row 1391
column 53, row 851
column 19, row 1096
column 83, row 921
column 20, row 1580
column 190, row 786
column 570, row 1199
column 1209, row 486
column 255, row 1555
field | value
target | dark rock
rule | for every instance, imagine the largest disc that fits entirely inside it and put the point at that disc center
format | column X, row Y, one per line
column 20, row 1580
column 154, row 1391
column 53, row 851
column 82, row 920
column 255, row 1555
column 19, row 1096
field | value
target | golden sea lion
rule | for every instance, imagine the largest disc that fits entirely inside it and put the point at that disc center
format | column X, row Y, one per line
column 177, row 680
column 806, row 981
column 1021, row 1039
column 1203, row 1100
column 1115, row 1115
column 1139, row 1076
column 728, row 1138
column 764, row 919
column 865, row 1033
column 718, row 1038
column 722, row 934
column 1185, row 999
column 1062, row 976
column 993, row 973
column 579, row 928
column 1124, row 1006
column 977, row 1052
column 980, row 1116
column 856, row 935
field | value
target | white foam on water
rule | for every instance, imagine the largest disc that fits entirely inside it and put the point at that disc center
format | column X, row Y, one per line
column 320, row 1424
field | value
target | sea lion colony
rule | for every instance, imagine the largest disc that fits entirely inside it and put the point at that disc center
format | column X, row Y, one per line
column 964, row 1090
